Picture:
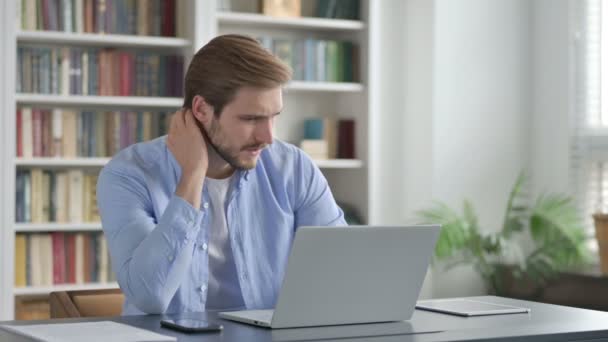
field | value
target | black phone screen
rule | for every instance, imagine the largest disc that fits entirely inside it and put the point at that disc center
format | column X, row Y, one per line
column 190, row 325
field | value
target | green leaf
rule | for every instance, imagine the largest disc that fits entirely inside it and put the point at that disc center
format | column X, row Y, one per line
column 469, row 215
column 515, row 213
column 555, row 224
column 512, row 225
column 455, row 231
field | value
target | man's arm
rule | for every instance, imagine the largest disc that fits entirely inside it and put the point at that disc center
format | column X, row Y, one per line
column 315, row 204
column 151, row 259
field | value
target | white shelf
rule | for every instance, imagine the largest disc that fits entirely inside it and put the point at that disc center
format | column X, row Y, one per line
column 344, row 87
column 43, row 290
column 57, row 227
column 62, row 162
column 100, row 101
column 260, row 20
column 100, row 162
column 339, row 163
column 93, row 39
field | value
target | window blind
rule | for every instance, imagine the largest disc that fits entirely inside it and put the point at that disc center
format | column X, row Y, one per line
column 589, row 143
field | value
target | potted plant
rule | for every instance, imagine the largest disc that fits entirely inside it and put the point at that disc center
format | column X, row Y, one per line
column 551, row 222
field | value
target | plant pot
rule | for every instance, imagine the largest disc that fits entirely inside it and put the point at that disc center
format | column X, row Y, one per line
column 516, row 287
column 601, row 234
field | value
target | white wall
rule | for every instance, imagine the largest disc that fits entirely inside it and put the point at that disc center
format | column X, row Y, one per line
column 482, row 91
column 386, row 82
column 416, row 148
column 552, row 101
column 401, row 90
column 417, row 138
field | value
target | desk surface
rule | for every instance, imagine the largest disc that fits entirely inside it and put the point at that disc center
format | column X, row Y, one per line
column 545, row 322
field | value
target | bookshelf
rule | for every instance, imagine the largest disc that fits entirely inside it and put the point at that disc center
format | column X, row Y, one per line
column 92, row 39
column 61, row 162
column 260, row 20
column 199, row 22
column 57, row 227
column 343, row 87
column 52, row 163
column 43, row 290
column 97, row 101
column 339, row 163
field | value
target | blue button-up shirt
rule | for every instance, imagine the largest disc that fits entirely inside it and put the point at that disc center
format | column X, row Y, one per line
column 156, row 238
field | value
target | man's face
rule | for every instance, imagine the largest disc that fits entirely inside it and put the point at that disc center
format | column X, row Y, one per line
column 244, row 127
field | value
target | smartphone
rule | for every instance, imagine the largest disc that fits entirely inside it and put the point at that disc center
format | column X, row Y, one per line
column 190, row 325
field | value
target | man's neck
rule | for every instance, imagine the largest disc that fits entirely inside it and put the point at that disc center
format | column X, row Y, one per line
column 218, row 167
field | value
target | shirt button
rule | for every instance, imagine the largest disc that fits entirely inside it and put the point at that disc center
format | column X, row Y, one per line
column 170, row 257
column 203, row 288
column 206, row 205
column 203, row 246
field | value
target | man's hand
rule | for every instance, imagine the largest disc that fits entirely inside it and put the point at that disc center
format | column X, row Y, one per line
column 186, row 143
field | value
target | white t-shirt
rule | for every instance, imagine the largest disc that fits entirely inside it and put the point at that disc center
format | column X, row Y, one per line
column 223, row 290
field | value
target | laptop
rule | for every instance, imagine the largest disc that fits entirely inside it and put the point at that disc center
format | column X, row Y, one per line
column 349, row 275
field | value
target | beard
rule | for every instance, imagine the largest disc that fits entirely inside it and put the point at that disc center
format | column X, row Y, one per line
column 215, row 138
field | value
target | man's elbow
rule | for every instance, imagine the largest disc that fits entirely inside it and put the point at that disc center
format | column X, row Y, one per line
column 147, row 300
column 150, row 304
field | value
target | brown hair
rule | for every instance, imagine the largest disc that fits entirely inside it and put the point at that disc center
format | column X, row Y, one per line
column 227, row 63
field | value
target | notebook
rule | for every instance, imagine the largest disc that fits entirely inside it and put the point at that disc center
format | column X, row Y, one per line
column 468, row 307
column 102, row 331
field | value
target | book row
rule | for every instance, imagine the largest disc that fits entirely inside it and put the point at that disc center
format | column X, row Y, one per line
column 106, row 72
column 70, row 133
column 61, row 258
column 316, row 60
column 133, row 17
column 56, row 196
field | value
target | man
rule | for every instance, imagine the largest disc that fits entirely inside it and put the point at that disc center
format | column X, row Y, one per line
column 204, row 218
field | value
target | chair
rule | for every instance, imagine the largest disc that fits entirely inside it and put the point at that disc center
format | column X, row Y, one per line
column 86, row 303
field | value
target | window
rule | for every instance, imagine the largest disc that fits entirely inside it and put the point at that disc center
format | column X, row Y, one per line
column 589, row 147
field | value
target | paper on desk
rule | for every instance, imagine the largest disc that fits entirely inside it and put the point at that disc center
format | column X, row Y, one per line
column 102, row 331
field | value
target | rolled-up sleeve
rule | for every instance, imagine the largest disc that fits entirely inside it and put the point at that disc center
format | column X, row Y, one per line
column 151, row 256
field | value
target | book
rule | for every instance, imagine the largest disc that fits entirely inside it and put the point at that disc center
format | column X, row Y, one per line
column 346, row 138
column 20, row 260
column 282, row 8
column 322, row 129
column 46, row 259
column 70, row 257
column 27, row 131
column 59, row 261
column 36, row 197
column 35, row 261
column 75, row 195
column 79, row 264
column 316, row 149
column 19, row 124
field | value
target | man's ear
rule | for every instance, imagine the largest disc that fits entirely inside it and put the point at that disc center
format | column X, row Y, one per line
column 201, row 110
